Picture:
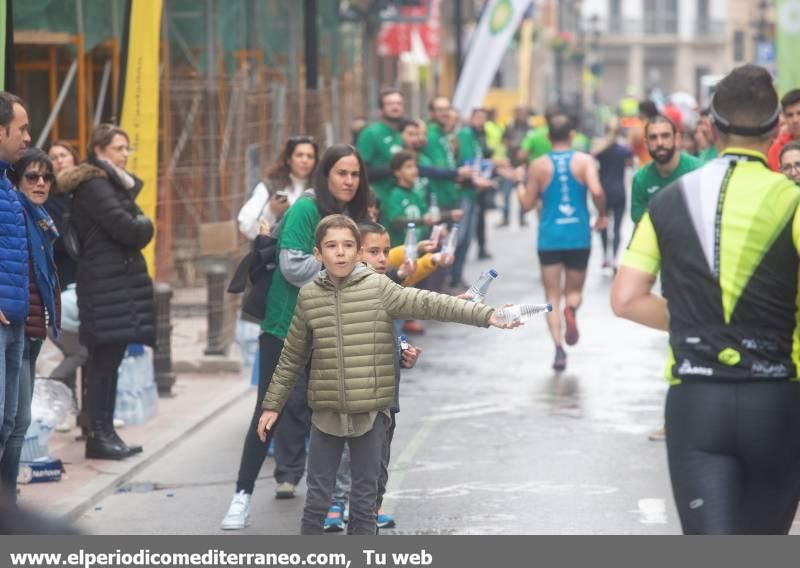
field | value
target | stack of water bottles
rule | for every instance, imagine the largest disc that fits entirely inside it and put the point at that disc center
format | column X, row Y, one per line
column 247, row 338
column 508, row 315
column 52, row 403
column 137, row 393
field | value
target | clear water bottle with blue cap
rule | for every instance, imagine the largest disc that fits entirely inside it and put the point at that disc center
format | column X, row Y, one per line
column 411, row 242
column 521, row 312
column 480, row 288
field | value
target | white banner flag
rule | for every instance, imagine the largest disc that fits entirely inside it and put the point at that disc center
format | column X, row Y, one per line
column 489, row 42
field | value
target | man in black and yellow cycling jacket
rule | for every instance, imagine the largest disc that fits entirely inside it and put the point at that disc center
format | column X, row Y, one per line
column 726, row 239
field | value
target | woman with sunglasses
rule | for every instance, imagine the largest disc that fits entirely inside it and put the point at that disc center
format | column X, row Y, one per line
column 33, row 175
column 289, row 177
column 115, row 293
column 340, row 186
column 790, row 161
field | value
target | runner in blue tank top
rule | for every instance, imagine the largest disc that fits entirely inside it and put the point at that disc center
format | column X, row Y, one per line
column 558, row 183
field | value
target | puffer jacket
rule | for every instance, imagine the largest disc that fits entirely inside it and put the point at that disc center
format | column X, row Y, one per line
column 13, row 252
column 115, row 293
column 349, row 329
column 38, row 319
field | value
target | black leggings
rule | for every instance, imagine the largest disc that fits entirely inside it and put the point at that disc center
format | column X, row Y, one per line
column 734, row 455
column 616, row 212
column 255, row 451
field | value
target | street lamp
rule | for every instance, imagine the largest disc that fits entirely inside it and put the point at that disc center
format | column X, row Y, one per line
column 762, row 24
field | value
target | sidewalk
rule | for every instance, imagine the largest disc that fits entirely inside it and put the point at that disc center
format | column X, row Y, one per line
column 205, row 387
column 197, row 399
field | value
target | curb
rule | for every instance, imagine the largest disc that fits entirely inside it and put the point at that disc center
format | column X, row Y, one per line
column 71, row 508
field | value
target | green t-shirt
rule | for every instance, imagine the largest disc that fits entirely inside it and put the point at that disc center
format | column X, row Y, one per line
column 469, row 150
column 648, row 182
column 708, row 154
column 297, row 233
column 409, row 204
column 377, row 143
column 438, row 154
column 537, row 143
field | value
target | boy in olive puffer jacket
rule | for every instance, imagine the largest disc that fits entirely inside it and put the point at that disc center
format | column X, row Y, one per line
column 345, row 318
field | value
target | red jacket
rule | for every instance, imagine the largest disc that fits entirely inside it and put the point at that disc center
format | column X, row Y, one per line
column 775, row 150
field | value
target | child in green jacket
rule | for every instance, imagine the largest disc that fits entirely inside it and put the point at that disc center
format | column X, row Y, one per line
column 343, row 323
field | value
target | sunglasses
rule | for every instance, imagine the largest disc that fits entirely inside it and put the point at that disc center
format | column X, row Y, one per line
column 33, row 177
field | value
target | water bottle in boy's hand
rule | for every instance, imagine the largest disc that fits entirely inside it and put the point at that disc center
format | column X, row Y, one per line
column 521, row 312
column 452, row 241
column 477, row 292
column 411, row 242
column 436, row 236
column 434, row 211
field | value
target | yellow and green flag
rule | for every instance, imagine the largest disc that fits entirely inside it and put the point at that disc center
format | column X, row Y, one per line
column 140, row 96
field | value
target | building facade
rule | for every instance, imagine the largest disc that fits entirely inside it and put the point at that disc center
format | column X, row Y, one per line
column 659, row 45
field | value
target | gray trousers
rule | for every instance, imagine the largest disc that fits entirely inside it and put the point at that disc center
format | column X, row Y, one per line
column 366, row 455
column 75, row 356
column 343, row 480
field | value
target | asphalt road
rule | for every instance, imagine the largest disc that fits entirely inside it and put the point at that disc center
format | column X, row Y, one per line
column 489, row 439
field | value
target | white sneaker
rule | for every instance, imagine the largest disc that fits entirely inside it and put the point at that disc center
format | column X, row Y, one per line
column 238, row 513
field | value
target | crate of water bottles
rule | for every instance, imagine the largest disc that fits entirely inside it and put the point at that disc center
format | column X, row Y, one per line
column 137, row 393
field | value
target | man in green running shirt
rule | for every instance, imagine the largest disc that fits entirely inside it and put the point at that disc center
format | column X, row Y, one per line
column 438, row 153
column 668, row 164
column 379, row 141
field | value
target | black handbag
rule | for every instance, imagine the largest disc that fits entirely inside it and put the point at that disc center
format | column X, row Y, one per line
column 253, row 277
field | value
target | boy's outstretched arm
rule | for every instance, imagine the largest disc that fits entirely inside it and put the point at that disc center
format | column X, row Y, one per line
column 411, row 303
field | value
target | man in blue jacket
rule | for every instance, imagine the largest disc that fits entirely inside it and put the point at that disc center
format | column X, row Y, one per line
column 14, row 139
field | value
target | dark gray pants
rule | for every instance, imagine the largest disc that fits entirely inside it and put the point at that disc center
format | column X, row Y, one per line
column 366, row 454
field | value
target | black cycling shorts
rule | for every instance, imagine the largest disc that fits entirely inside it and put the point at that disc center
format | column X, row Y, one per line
column 573, row 259
column 734, row 455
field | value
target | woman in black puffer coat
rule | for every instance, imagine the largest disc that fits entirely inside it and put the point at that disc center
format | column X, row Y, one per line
column 115, row 293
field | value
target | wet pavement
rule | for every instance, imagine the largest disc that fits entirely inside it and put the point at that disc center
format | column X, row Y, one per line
column 489, row 439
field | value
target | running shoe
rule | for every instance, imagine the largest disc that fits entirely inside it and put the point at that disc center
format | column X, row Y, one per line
column 334, row 522
column 384, row 521
column 238, row 513
column 285, row 490
column 560, row 362
column 571, row 335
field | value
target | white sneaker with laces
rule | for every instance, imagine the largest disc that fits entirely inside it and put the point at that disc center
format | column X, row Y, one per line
column 238, row 514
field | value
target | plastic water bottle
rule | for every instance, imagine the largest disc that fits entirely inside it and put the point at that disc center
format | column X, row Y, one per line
column 411, row 242
column 480, row 288
column 452, row 241
column 521, row 312
column 433, row 210
column 436, row 235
